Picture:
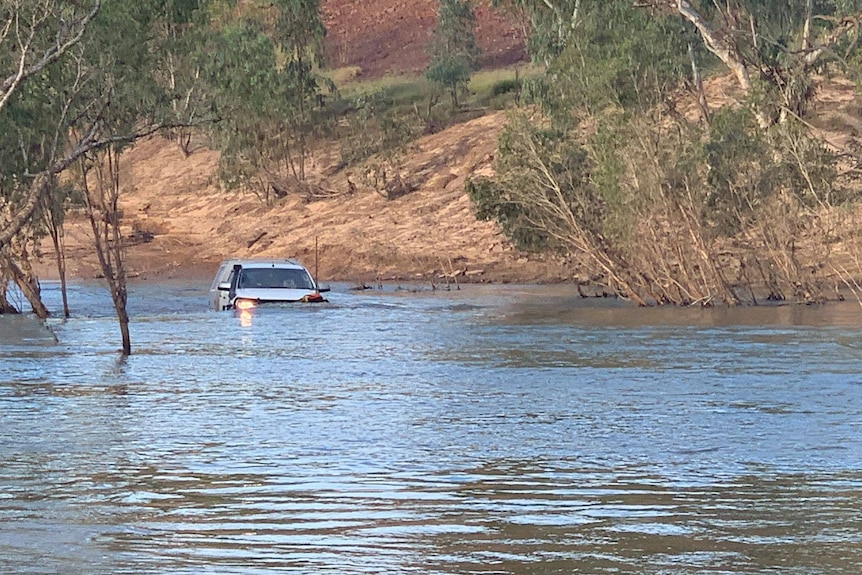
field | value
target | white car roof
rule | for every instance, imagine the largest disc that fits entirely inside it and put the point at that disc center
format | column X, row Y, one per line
column 261, row 263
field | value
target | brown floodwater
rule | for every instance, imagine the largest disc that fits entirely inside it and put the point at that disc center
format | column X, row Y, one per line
column 492, row 429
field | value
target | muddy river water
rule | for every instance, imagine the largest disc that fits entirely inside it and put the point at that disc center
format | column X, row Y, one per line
column 492, row 429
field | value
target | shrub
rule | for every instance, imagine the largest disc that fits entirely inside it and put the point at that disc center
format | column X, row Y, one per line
column 506, row 86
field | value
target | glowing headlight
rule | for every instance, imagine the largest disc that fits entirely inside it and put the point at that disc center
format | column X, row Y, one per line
column 244, row 304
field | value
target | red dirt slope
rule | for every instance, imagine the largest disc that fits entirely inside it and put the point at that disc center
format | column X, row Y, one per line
column 390, row 36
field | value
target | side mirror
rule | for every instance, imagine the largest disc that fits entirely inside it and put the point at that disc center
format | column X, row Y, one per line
column 231, row 292
column 223, row 286
column 323, row 289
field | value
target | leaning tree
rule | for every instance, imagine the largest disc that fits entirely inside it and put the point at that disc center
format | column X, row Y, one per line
column 78, row 81
column 668, row 205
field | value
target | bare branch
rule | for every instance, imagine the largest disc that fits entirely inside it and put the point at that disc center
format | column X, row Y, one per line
column 844, row 27
column 806, row 30
column 717, row 44
column 69, row 36
column 42, row 181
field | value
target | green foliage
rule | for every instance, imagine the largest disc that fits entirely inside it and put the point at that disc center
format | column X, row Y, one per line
column 453, row 49
column 104, row 87
column 452, row 73
column 27, row 126
column 245, row 83
column 503, row 88
column 741, row 172
column 489, row 205
column 267, row 94
column 454, row 32
column 748, row 167
column 810, row 169
column 615, row 60
column 607, row 148
column 79, row 81
column 543, row 181
column 377, row 127
column 552, row 23
column 122, row 54
column 621, row 56
column 507, row 86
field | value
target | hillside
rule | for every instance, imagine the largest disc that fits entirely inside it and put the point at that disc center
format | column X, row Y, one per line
column 390, row 36
column 357, row 235
column 360, row 236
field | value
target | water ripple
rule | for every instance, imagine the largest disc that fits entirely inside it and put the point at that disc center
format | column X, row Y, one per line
column 494, row 429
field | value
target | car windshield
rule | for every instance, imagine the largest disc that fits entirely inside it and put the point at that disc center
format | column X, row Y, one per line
column 274, row 278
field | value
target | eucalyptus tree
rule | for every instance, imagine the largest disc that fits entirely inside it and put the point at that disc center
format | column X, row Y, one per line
column 262, row 69
column 83, row 83
column 551, row 24
column 35, row 34
column 453, row 47
column 36, row 108
column 127, row 100
column 561, row 170
column 771, row 46
column 616, row 171
column 299, row 34
column 181, row 34
column 34, row 37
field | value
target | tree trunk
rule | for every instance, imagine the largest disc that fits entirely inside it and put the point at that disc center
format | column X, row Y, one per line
column 31, row 200
column 55, row 228
column 5, row 306
column 29, row 286
column 41, row 184
column 698, row 85
column 102, row 202
column 120, row 298
column 60, row 254
column 717, row 43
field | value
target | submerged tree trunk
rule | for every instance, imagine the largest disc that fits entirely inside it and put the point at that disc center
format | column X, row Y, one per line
column 103, row 212
column 5, row 306
column 54, row 223
column 60, row 254
column 29, row 286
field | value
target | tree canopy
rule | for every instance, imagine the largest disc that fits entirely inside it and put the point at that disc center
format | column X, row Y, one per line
column 81, row 80
column 453, row 47
column 666, row 205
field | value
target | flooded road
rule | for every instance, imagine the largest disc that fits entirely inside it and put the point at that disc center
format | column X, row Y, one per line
column 495, row 429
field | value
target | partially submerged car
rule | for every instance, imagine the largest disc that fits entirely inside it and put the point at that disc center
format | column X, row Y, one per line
column 245, row 284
